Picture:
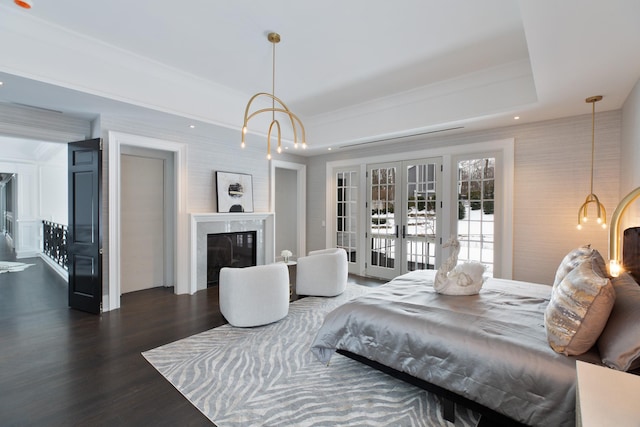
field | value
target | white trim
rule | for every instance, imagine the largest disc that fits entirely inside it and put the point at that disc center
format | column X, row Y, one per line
column 508, row 152
column 64, row 274
column 268, row 225
column 504, row 146
column 301, row 187
column 117, row 140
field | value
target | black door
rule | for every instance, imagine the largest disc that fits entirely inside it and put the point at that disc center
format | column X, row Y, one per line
column 84, row 238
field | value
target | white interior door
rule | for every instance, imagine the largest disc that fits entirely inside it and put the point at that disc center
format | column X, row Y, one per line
column 286, row 210
column 143, row 223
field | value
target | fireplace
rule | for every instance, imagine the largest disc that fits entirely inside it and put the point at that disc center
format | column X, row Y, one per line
column 237, row 249
column 203, row 224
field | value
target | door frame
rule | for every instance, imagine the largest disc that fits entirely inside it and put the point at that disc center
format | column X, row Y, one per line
column 505, row 146
column 117, row 141
column 301, row 188
column 400, row 215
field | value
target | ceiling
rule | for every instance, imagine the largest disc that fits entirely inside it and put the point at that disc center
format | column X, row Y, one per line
column 356, row 72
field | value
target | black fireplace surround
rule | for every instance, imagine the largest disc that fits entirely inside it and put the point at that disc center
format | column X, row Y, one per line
column 237, row 249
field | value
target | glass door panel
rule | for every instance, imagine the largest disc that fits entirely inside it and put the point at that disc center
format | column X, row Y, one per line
column 404, row 206
column 420, row 228
column 347, row 213
column 476, row 197
column 383, row 230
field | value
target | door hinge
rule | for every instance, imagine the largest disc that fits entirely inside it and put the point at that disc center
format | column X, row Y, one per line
column 441, row 168
column 366, row 235
column 440, row 205
column 441, row 240
column 100, row 144
column 101, row 251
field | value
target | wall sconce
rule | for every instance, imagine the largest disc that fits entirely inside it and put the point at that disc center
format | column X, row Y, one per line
column 615, row 259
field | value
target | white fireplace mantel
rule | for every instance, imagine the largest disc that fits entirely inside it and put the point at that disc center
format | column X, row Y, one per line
column 201, row 224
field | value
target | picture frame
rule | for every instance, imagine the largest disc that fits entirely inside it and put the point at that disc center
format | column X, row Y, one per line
column 234, row 192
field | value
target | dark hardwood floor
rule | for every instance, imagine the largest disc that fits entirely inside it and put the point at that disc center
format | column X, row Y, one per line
column 62, row 367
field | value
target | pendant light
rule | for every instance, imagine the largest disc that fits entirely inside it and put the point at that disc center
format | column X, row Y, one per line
column 278, row 109
column 601, row 213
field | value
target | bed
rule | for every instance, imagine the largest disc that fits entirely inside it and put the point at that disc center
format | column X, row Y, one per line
column 489, row 350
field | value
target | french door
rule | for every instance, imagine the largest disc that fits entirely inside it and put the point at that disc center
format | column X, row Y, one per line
column 405, row 210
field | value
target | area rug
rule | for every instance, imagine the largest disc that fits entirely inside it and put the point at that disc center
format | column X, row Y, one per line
column 8, row 267
column 267, row 376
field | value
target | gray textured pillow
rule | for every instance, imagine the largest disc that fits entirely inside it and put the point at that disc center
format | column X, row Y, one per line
column 571, row 261
column 578, row 310
column 600, row 263
column 619, row 343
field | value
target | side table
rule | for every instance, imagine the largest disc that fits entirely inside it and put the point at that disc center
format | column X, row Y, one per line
column 291, row 265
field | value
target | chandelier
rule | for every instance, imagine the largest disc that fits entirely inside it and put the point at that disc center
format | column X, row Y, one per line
column 278, row 110
column 592, row 198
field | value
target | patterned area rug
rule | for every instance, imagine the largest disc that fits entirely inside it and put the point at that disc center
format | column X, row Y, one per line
column 267, row 376
column 8, row 267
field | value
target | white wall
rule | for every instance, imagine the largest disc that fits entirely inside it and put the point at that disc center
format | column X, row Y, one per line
column 552, row 167
column 27, row 224
column 53, row 185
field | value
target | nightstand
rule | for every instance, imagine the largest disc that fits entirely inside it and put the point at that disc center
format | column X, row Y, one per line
column 606, row 397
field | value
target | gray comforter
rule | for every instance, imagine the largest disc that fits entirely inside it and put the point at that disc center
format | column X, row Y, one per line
column 490, row 348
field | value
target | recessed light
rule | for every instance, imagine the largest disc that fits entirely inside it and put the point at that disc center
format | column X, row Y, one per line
column 192, row 126
column 25, row 4
column 1, row 83
column 329, row 149
column 516, row 118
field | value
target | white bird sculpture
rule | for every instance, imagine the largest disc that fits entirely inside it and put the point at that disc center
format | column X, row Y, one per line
column 453, row 279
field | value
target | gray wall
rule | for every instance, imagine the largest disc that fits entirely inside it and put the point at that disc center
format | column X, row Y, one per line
column 630, row 155
column 552, row 167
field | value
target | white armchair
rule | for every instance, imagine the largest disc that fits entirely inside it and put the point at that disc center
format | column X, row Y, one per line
column 322, row 273
column 254, row 296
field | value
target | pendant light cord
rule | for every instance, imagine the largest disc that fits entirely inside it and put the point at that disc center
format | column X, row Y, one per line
column 593, row 138
column 273, row 80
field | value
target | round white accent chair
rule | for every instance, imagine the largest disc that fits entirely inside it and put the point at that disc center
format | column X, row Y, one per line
column 254, row 296
column 322, row 273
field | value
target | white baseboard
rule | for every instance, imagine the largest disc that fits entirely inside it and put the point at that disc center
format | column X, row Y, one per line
column 55, row 267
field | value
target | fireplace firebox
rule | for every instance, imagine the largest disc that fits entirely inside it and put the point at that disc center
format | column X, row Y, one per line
column 237, row 249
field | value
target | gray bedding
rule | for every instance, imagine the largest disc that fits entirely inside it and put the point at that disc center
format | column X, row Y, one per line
column 490, row 348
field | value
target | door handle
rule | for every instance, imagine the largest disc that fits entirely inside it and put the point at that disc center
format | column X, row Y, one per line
column 404, row 231
column 397, row 229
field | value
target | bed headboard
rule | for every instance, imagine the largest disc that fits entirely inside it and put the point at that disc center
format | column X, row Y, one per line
column 631, row 252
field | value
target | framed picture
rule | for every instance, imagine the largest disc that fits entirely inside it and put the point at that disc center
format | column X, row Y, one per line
column 234, row 192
